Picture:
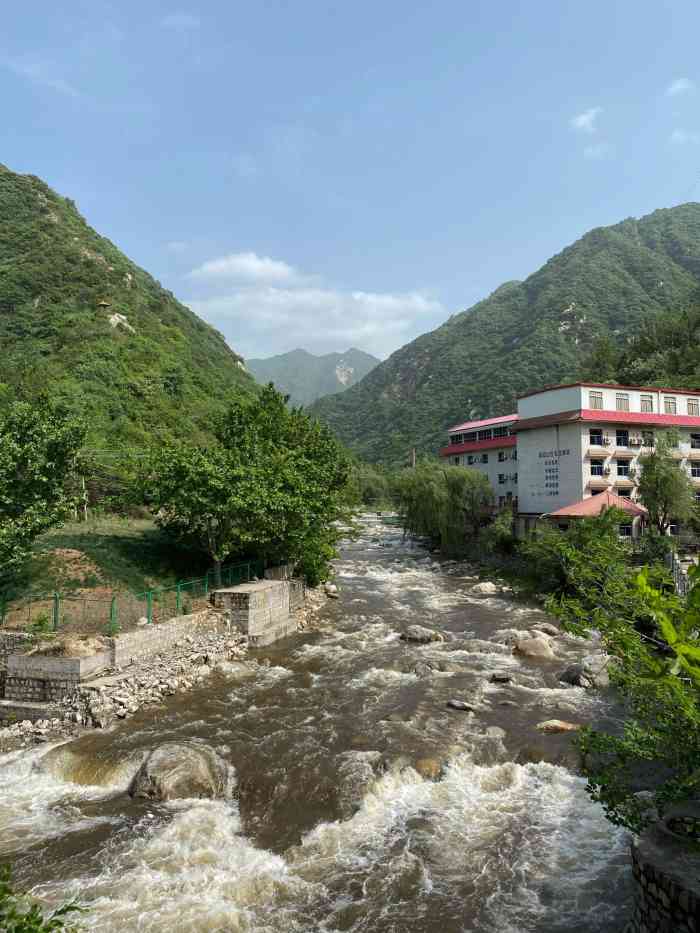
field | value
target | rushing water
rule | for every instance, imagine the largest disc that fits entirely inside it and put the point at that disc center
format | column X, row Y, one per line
column 334, row 826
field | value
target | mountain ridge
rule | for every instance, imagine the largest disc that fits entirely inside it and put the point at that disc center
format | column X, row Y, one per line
column 79, row 319
column 322, row 374
column 522, row 336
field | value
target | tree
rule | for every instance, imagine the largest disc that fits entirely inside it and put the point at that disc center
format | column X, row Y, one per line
column 448, row 504
column 39, row 445
column 664, row 488
column 272, row 485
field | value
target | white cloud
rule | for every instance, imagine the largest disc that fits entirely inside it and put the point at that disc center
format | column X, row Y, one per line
column 244, row 267
column 586, row 122
column 268, row 320
column 680, row 86
column 40, row 73
column 181, row 22
column 598, row 151
column 682, row 137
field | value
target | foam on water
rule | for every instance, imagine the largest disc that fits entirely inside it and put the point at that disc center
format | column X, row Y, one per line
column 36, row 804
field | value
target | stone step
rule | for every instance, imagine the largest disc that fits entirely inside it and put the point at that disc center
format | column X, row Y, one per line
column 272, row 633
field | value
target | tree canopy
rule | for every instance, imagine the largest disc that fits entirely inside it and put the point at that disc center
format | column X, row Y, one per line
column 272, row 484
column 665, row 489
column 39, row 445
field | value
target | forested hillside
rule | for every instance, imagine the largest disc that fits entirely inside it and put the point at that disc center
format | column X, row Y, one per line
column 305, row 377
column 523, row 336
column 79, row 319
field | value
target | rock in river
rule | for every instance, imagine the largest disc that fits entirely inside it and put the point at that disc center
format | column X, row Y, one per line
column 538, row 647
column 548, row 628
column 577, row 676
column 182, row 769
column 553, row 726
column 461, row 705
column 421, row 635
column 486, row 589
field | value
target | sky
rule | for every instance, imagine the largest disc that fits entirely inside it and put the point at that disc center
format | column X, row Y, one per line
column 326, row 175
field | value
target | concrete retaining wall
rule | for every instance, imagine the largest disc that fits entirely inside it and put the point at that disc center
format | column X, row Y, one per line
column 667, row 876
column 155, row 639
column 261, row 610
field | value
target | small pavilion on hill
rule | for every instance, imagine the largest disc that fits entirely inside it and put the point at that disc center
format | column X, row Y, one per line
column 595, row 505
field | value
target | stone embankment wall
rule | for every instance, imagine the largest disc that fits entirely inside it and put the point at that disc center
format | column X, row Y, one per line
column 264, row 610
column 667, row 877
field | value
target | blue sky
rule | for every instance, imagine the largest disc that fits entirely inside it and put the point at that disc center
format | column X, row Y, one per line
column 326, row 174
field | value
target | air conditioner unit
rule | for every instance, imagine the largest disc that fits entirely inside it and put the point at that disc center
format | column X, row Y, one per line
column 606, row 442
column 636, row 441
column 606, row 471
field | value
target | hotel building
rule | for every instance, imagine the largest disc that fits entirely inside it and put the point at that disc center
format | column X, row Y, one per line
column 567, row 443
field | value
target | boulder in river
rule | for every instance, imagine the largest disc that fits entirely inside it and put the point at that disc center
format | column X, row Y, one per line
column 421, row 635
column 553, row 726
column 430, row 768
column 501, row 678
column 576, row 675
column 537, row 647
column 182, row 769
column 548, row 628
column 487, row 588
column 331, row 590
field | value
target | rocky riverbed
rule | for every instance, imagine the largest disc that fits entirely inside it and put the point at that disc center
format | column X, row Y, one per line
column 406, row 763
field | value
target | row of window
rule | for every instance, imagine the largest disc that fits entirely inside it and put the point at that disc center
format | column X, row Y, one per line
column 505, row 477
column 646, row 403
column 623, row 438
column 622, row 468
column 486, row 434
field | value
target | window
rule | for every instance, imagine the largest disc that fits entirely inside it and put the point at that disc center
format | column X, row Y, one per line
column 623, row 467
column 646, row 402
column 514, row 477
column 501, row 432
column 485, row 435
column 470, row 459
column 697, row 496
column 623, row 493
column 694, row 407
column 596, row 437
column 673, row 528
column 596, row 467
column 695, row 470
column 647, row 438
column 595, row 400
column 501, row 478
column 484, row 458
column 501, row 456
column 514, row 455
column 468, row 438
column 455, row 460
column 622, row 401
column 695, row 441
column 625, row 531
column 669, row 405
column 622, row 438
column 501, row 501
column 456, row 439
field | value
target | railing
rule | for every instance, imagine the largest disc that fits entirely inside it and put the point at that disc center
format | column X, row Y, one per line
column 114, row 612
column 681, row 581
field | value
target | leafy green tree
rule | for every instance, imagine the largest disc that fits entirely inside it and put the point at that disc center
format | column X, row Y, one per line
column 273, row 484
column 448, row 504
column 602, row 363
column 19, row 914
column 39, row 445
column 664, row 487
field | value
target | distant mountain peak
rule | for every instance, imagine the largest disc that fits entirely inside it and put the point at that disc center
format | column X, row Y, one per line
column 321, row 375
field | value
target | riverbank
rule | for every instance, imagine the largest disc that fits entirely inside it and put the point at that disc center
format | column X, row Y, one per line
column 121, row 692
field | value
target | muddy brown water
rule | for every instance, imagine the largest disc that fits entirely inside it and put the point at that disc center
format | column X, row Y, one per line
column 363, row 803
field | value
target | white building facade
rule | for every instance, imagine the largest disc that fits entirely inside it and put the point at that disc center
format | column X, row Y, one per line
column 570, row 442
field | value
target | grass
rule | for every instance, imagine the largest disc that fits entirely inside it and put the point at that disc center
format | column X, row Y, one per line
column 106, row 552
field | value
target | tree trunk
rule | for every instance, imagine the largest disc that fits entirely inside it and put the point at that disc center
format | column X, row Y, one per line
column 217, row 572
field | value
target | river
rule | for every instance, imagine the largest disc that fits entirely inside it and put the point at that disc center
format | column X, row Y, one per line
column 363, row 802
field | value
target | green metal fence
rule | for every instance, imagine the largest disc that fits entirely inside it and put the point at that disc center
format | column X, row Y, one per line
column 118, row 611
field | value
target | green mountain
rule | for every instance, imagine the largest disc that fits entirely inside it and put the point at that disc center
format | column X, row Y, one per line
column 79, row 319
column 305, row 377
column 523, row 336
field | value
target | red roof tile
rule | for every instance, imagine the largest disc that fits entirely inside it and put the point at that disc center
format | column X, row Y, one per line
column 485, row 423
column 594, row 505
